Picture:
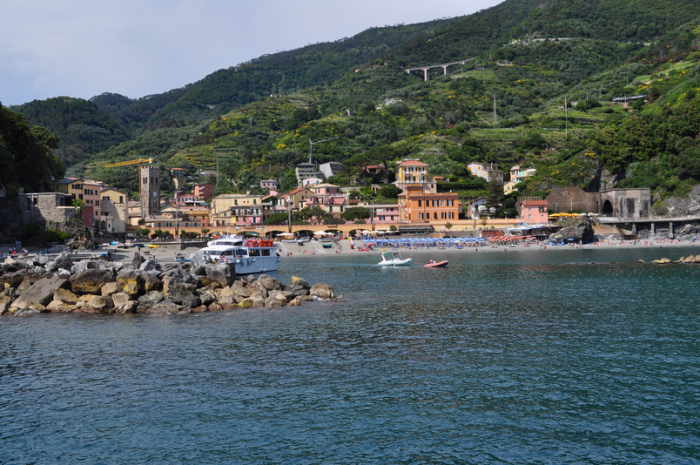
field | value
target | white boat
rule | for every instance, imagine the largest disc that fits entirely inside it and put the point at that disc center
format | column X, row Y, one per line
column 394, row 259
column 249, row 255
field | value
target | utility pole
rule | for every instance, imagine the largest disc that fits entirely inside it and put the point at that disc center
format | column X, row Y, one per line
column 495, row 115
column 566, row 112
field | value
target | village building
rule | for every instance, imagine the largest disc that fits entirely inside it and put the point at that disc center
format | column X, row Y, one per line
column 534, row 211
column 329, row 198
column 204, row 190
column 330, row 169
column 269, row 184
column 416, row 205
column 487, row 171
column 114, row 213
column 304, row 171
column 229, row 210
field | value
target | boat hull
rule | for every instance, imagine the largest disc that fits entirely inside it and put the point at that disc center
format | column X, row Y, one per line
column 441, row 264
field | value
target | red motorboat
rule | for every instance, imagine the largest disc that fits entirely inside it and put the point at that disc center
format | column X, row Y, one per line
column 433, row 264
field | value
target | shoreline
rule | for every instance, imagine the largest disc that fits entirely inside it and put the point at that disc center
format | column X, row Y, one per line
column 305, row 251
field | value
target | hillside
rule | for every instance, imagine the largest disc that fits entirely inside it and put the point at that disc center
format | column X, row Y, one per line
column 505, row 106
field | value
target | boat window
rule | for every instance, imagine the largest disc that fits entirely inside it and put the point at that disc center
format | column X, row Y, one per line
column 240, row 253
column 254, row 252
column 266, row 252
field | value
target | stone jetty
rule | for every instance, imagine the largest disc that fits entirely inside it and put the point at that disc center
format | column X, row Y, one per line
column 58, row 285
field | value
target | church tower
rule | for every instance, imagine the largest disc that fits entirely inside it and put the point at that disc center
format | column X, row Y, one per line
column 150, row 191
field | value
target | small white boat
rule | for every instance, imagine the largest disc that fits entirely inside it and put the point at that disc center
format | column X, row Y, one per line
column 394, row 259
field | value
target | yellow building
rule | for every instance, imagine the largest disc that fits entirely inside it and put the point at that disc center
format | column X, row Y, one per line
column 226, row 209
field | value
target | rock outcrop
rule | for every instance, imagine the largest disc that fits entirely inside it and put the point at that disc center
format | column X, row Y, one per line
column 143, row 286
column 581, row 232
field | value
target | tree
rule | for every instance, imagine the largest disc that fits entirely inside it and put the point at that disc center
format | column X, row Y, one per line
column 389, row 191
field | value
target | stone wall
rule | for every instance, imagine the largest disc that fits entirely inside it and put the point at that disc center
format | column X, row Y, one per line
column 45, row 207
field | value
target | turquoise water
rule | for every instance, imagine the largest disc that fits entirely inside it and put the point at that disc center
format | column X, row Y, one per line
column 563, row 356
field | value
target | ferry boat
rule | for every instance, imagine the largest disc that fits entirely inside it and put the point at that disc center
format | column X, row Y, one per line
column 249, row 255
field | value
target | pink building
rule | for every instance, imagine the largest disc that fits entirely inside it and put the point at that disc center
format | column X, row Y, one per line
column 270, row 184
column 534, row 211
column 386, row 213
column 91, row 197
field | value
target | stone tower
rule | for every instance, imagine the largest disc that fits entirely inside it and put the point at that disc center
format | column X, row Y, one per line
column 150, row 191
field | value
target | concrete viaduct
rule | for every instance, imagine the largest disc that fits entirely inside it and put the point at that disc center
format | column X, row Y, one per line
column 444, row 66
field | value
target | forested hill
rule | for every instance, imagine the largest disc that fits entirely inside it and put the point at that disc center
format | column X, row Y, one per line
column 506, row 106
column 279, row 73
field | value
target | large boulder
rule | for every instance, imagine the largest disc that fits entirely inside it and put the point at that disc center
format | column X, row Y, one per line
column 181, row 292
column 322, row 291
column 270, row 283
column 41, row 293
column 222, row 273
column 131, row 282
column 65, row 296
column 91, row 281
column 580, row 232
column 148, row 300
column 12, row 278
column 199, row 259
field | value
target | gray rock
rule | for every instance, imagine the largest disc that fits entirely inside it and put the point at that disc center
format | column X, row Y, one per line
column 148, row 300
column 27, row 312
column 40, row 292
column 199, row 259
column 91, row 280
column 65, row 295
column 179, row 292
column 137, row 260
column 149, row 265
column 322, row 291
column 580, row 232
column 62, row 272
column 270, row 283
column 165, row 307
column 221, row 273
column 206, row 297
column 180, row 275
column 101, row 304
column 131, row 282
column 151, row 281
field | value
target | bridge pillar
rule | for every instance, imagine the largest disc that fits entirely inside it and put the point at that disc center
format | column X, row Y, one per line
column 670, row 229
column 444, row 69
column 426, row 74
column 653, row 230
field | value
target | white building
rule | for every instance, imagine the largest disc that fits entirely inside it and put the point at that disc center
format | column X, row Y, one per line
column 330, row 169
column 487, row 171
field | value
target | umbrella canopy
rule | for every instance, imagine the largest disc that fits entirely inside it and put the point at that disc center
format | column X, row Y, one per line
column 321, row 233
column 285, row 234
column 367, row 231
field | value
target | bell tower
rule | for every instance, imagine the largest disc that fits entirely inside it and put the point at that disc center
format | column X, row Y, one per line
column 150, row 191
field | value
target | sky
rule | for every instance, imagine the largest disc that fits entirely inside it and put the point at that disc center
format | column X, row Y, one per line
column 82, row 48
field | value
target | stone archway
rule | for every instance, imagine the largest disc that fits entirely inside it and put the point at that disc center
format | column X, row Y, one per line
column 607, row 209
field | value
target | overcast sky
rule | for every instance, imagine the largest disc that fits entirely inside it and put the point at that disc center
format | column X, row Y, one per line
column 81, row 48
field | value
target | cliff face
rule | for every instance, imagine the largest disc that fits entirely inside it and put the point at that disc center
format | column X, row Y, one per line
column 687, row 206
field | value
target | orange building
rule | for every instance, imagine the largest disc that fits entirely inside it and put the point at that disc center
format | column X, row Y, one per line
column 419, row 206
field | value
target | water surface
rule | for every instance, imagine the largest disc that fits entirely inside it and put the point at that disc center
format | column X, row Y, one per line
column 522, row 357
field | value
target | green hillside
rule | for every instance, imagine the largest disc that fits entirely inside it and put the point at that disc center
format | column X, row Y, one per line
column 505, row 106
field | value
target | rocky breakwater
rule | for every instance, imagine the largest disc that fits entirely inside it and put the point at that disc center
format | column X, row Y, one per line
column 144, row 286
column 663, row 261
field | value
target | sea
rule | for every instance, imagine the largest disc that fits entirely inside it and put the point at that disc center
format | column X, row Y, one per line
column 554, row 356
